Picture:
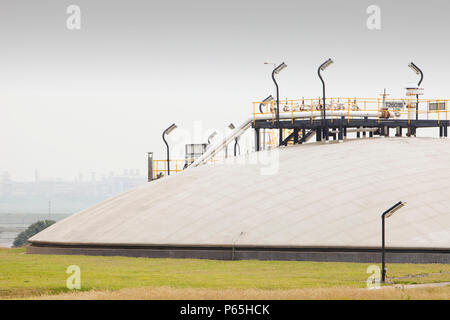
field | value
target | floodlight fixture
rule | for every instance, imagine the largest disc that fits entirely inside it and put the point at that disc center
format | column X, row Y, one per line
column 265, row 101
column 278, row 69
column 211, row 136
column 394, row 209
column 170, row 129
column 268, row 99
column 326, row 64
column 414, row 67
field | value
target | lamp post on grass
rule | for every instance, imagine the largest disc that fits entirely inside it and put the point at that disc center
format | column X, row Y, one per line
column 388, row 213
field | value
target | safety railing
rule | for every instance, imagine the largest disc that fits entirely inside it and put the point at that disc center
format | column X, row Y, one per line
column 160, row 167
column 402, row 108
column 176, row 166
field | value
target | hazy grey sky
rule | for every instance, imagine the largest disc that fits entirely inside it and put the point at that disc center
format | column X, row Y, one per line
column 97, row 99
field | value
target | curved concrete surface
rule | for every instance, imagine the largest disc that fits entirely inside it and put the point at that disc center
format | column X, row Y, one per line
column 322, row 196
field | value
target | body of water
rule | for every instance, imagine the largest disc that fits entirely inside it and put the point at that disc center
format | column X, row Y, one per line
column 11, row 224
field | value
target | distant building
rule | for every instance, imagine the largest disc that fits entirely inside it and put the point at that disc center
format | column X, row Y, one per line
column 66, row 196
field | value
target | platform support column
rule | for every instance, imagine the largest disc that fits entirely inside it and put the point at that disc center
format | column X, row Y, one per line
column 318, row 134
column 150, row 166
column 445, row 131
column 257, row 138
column 280, row 143
column 295, row 135
column 364, row 133
column 326, row 131
column 303, row 134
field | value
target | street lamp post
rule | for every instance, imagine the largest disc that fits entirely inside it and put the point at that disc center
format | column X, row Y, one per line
column 322, row 67
column 417, row 70
column 388, row 213
column 266, row 101
column 273, row 66
column 231, row 127
column 275, row 71
column 236, row 144
column 167, row 132
column 150, row 166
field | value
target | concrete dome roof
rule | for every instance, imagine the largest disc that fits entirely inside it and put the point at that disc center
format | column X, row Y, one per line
column 323, row 195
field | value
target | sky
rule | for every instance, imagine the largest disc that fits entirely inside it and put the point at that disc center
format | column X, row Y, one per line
column 98, row 98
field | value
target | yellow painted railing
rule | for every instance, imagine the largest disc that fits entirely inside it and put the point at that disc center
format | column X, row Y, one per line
column 160, row 167
column 402, row 108
column 176, row 165
column 406, row 111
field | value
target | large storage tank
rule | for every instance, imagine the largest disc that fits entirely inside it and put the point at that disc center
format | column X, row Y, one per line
column 320, row 202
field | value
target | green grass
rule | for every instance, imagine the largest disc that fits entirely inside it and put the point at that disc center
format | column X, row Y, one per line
column 23, row 275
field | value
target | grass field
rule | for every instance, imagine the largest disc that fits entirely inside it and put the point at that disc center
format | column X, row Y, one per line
column 44, row 276
column 340, row 293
